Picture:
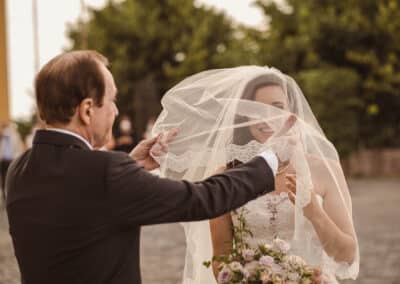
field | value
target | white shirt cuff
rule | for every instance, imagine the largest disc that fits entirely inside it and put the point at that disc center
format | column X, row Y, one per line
column 271, row 160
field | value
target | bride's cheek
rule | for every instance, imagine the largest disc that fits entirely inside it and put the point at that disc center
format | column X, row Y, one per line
column 258, row 135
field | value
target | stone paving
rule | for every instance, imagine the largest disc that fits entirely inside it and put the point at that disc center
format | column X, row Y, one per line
column 377, row 217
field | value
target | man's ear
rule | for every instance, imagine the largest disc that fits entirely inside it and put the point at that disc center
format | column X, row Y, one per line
column 85, row 110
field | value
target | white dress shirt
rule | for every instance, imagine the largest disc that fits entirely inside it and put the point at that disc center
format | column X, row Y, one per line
column 271, row 160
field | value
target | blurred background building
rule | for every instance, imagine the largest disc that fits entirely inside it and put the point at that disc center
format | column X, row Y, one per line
column 4, row 111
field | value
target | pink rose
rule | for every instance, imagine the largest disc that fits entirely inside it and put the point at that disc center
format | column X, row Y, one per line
column 248, row 254
column 266, row 260
column 224, row 276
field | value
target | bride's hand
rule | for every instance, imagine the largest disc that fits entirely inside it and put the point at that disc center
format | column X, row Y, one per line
column 287, row 125
column 313, row 208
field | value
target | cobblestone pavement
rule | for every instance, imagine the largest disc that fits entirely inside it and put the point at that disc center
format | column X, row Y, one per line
column 375, row 208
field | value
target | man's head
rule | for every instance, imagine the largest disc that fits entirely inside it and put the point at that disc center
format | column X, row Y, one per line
column 76, row 91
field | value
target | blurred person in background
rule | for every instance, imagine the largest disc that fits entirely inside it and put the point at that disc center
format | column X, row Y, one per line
column 110, row 145
column 29, row 137
column 126, row 139
column 149, row 127
column 10, row 147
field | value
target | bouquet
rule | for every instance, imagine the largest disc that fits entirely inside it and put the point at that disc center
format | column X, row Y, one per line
column 268, row 264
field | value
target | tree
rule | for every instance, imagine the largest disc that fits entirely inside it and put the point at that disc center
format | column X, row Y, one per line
column 154, row 44
column 331, row 92
column 313, row 38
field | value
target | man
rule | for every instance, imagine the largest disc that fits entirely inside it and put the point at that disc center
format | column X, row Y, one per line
column 74, row 212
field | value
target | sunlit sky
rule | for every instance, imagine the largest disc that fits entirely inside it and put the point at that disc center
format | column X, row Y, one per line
column 53, row 16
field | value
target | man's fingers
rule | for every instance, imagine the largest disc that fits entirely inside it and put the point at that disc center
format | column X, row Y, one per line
column 149, row 164
column 292, row 197
column 152, row 165
column 171, row 134
column 159, row 138
column 162, row 147
column 151, row 141
column 156, row 152
column 291, row 182
column 165, row 139
column 291, row 187
column 291, row 178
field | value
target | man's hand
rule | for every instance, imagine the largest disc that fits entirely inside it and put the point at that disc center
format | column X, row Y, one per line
column 158, row 146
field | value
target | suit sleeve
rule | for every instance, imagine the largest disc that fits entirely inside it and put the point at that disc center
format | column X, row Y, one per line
column 140, row 198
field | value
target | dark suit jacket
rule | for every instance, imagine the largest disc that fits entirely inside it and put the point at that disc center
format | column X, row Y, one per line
column 75, row 214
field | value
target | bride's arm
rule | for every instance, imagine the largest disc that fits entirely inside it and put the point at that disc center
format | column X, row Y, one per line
column 221, row 237
column 332, row 222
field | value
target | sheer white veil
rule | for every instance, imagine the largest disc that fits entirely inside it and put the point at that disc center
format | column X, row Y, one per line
column 213, row 111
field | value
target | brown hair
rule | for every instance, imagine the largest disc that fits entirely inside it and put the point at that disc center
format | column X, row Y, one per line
column 65, row 81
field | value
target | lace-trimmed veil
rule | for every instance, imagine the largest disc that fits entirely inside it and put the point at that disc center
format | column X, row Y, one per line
column 213, row 111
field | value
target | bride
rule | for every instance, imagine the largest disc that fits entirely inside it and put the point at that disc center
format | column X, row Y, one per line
column 227, row 116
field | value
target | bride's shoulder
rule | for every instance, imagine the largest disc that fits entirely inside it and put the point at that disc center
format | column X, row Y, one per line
column 322, row 166
column 315, row 163
column 320, row 171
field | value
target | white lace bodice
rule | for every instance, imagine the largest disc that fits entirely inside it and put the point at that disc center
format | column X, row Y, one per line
column 269, row 216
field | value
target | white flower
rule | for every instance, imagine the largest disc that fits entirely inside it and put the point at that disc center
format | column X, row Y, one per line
column 295, row 261
column 235, row 266
column 267, row 246
column 245, row 273
column 251, row 267
column 293, row 276
column 281, row 245
column 265, row 276
column 277, row 279
column 276, row 268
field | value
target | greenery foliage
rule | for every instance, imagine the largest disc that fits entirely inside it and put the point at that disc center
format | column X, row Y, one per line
column 347, row 57
column 344, row 54
column 154, row 44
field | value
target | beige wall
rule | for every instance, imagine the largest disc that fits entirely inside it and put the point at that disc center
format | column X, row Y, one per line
column 373, row 163
column 4, row 106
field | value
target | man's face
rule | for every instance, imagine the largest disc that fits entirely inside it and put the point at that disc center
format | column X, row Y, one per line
column 104, row 116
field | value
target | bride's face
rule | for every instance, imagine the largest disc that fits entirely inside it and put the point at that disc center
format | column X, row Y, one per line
column 270, row 95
